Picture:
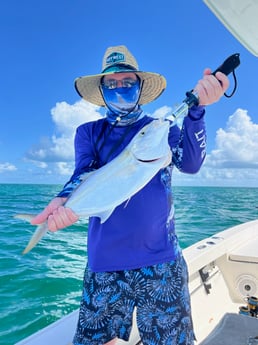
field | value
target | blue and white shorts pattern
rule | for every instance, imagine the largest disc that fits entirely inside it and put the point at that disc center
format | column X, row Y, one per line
column 160, row 294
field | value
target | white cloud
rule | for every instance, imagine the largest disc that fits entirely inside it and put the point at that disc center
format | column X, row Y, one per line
column 66, row 117
column 234, row 160
column 64, row 168
column 236, row 146
column 162, row 112
column 4, row 167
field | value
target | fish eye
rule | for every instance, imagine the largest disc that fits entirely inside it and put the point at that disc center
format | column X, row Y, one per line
column 142, row 133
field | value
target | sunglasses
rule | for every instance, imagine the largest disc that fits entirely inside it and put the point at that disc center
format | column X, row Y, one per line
column 112, row 84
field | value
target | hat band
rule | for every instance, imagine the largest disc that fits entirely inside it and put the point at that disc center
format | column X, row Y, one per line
column 119, row 68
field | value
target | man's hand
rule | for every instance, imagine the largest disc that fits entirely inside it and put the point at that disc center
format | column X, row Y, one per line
column 211, row 88
column 56, row 215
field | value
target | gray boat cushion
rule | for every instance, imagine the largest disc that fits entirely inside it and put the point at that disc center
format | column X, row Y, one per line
column 233, row 329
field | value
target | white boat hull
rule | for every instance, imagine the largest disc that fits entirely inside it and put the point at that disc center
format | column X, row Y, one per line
column 231, row 260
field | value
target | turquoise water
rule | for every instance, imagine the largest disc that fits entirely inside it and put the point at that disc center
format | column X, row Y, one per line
column 44, row 285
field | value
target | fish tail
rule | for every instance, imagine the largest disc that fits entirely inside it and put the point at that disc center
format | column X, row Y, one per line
column 38, row 234
column 24, row 216
column 36, row 237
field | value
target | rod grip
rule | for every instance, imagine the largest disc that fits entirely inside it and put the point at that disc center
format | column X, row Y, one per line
column 229, row 64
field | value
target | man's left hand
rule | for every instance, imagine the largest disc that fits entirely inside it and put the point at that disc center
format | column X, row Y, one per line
column 211, row 88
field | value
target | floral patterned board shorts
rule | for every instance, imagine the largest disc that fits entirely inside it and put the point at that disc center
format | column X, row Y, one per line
column 160, row 294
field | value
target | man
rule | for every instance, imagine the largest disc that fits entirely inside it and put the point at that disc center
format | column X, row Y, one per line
column 134, row 259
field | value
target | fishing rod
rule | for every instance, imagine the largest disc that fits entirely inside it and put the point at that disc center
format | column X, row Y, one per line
column 227, row 67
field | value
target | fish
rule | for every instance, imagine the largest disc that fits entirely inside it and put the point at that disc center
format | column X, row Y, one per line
column 102, row 190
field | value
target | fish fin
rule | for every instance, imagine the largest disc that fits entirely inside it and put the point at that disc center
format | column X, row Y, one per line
column 105, row 215
column 127, row 202
column 36, row 237
column 27, row 217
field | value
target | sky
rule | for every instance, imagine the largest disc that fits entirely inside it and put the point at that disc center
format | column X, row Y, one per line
column 46, row 44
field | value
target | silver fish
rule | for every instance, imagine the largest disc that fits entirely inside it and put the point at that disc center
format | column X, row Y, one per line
column 107, row 187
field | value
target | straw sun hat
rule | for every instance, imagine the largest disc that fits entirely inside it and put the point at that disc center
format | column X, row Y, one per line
column 119, row 59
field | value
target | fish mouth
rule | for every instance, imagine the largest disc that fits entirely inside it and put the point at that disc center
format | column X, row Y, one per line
column 148, row 160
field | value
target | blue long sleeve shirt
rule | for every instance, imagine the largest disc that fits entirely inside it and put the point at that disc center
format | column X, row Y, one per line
column 141, row 231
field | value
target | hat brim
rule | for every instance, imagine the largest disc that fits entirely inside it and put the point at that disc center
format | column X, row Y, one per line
column 88, row 87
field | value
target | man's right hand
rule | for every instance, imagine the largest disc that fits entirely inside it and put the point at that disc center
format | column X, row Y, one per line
column 56, row 215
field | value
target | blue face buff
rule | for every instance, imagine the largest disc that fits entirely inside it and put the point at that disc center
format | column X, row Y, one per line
column 122, row 100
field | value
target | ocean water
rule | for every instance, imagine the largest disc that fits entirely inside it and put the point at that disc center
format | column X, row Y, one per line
column 38, row 288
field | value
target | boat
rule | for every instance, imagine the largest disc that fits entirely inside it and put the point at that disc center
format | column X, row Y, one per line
column 223, row 283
